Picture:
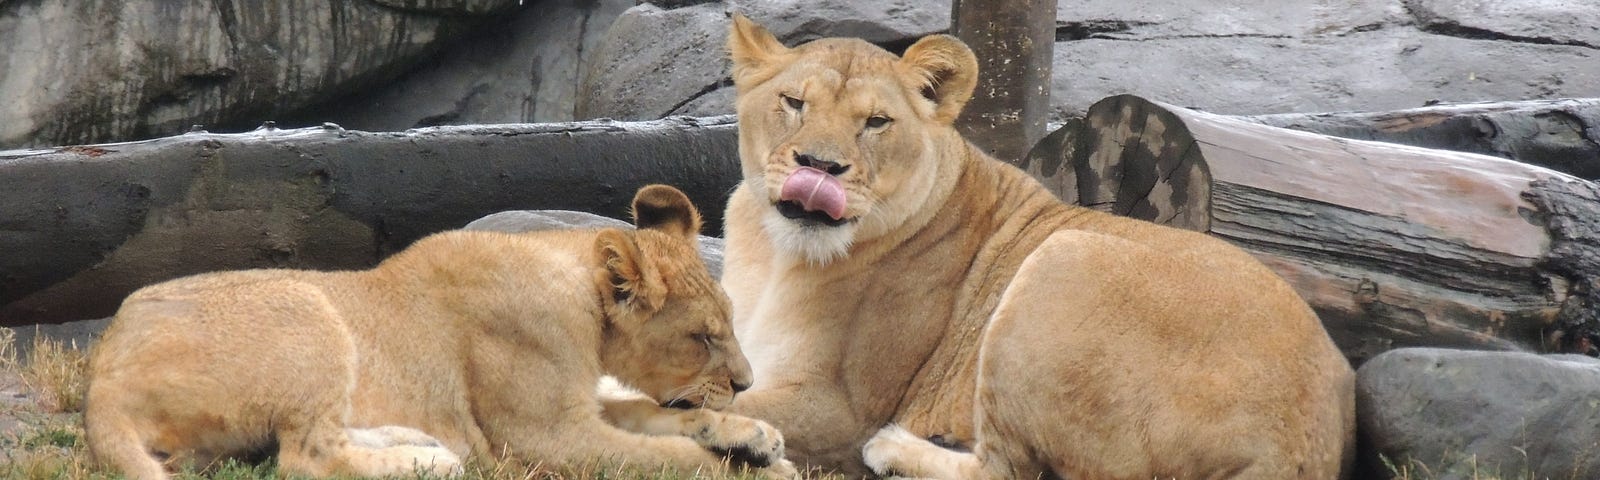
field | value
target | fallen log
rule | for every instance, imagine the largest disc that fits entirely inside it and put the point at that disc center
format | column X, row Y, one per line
column 1562, row 135
column 1391, row 245
column 81, row 227
column 1394, row 246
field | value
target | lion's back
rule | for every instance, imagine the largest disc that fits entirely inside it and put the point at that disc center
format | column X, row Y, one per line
column 218, row 319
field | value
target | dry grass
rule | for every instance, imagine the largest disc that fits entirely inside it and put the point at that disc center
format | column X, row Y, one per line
column 49, row 443
column 1468, row 466
column 56, row 372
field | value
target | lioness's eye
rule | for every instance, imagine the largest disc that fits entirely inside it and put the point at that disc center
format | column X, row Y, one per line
column 792, row 102
column 878, row 121
column 702, row 338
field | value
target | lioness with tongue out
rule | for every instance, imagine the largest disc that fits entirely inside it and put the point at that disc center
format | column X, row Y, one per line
column 891, row 284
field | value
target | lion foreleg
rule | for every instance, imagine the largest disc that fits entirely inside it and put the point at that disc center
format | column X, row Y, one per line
column 818, row 426
column 743, row 439
column 585, row 441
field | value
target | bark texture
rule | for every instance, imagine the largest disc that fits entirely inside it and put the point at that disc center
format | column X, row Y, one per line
column 1562, row 135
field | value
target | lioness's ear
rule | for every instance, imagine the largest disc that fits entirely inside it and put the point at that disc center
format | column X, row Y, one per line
column 755, row 52
column 664, row 208
column 628, row 276
column 945, row 71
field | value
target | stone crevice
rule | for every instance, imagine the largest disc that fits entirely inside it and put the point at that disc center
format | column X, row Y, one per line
column 720, row 84
column 1473, row 33
column 1185, row 37
column 1070, row 31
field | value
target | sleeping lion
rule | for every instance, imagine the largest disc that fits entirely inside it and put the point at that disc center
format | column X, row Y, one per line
column 466, row 343
column 885, row 271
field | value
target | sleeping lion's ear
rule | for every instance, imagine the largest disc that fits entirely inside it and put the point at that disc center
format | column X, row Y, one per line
column 755, row 52
column 942, row 69
column 629, row 279
column 664, row 208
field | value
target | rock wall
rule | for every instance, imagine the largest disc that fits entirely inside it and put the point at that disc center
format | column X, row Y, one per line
column 1249, row 57
column 96, row 71
column 107, row 70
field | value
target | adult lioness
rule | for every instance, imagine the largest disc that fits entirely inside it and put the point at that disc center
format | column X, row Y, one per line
column 490, row 343
column 884, row 270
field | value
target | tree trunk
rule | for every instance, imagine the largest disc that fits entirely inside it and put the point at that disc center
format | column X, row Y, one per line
column 1013, row 40
column 1391, row 245
column 1562, row 135
column 84, row 226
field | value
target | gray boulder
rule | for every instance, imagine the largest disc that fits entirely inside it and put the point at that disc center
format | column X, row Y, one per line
column 658, row 61
column 103, row 70
column 652, row 61
column 1385, row 69
column 1468, row 414
column 1290, row 56
column 536, row 220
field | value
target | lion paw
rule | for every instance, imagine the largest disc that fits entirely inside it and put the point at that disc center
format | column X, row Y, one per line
column 781, row 469
column 743, row 440
column 410, row 459
column 895, row 452
column 389, row 436
column 884, row 451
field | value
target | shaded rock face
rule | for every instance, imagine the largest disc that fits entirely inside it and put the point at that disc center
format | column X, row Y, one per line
column 537, row 220
column 102, row 70
column 1290, row 56
column 1470, row 414
column 525, row 67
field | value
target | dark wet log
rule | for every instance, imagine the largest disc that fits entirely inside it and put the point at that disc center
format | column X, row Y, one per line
column 1392, row 245
column 84, row 226
column 1014, row 41
column 1562, row 135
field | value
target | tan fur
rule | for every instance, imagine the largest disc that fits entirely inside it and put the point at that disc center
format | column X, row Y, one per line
column 963, row 300
column 466, row 343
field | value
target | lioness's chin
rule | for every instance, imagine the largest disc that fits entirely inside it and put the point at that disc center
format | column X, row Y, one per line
column 813, row 241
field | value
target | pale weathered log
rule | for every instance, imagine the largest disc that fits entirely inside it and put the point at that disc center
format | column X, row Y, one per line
column 81, row 227
column 1563, row 135
column 1392, row 245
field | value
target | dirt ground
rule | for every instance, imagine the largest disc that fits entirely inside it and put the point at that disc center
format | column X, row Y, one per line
column 14, row 399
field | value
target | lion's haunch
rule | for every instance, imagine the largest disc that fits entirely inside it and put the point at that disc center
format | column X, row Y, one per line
column 816, row 191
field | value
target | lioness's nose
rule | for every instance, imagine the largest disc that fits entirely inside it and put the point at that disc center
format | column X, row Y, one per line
column 739, row 386
column 832, row 167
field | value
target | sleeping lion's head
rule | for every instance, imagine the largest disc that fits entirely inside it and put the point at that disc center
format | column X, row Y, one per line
column 842, row 137
column 669, row 330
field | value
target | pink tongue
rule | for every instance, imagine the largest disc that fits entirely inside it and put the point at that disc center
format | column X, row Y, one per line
column 816, row 190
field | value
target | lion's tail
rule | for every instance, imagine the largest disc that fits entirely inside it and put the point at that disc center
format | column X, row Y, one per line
column 115, row 442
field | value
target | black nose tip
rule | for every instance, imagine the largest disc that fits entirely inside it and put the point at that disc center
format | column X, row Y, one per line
column 833, row 168
column 740, row 386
